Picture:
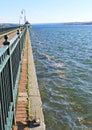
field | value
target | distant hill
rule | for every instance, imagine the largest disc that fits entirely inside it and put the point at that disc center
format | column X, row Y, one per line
column 78, row 23
column 59, row 24
column 8, row 25
column 12, row 24
column 47, row 24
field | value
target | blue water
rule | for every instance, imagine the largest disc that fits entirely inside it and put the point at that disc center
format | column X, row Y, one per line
column 63, row 59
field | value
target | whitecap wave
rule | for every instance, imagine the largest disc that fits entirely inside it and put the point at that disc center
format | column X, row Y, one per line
column 59, row 65
column 50, row 58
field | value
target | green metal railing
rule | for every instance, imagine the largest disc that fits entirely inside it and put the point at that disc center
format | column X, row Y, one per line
column 10, row 64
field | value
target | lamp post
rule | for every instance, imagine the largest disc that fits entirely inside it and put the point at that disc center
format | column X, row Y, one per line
column 23, row 12
column 20, row 17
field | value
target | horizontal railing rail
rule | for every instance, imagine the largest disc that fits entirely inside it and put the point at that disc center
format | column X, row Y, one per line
column 10, row 66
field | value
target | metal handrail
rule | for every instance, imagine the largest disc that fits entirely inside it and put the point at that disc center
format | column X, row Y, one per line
column 10, row 65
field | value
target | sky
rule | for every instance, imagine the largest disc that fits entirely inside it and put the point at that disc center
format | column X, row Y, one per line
column 45, row 11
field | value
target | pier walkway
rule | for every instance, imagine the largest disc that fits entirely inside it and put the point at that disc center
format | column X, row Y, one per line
column 28, row 80
column 22, row 101
column 24, row 105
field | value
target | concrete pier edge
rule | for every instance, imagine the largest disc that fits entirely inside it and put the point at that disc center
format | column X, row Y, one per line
column 35, row 98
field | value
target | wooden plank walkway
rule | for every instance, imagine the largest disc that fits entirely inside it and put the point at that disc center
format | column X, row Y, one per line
column 22, row 102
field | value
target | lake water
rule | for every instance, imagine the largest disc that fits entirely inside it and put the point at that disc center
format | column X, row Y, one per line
column 63, row 59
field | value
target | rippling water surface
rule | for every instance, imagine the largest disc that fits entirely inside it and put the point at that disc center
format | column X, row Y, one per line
column 63, row 58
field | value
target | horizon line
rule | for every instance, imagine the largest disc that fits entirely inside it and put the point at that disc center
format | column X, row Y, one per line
column 51, row 22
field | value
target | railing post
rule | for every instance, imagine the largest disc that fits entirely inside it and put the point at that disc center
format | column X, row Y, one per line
column 2, row 118
column 19, row 37
column 1, row 121
column 11, row 78
column 0, row 115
